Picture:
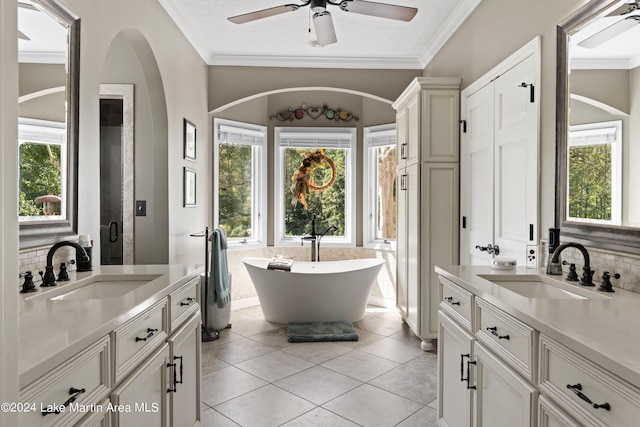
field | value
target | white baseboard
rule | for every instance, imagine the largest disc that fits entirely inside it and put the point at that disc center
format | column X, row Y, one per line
column 382, row 302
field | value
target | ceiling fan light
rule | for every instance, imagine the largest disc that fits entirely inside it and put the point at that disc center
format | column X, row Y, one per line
column 325, row 31
column 610, row 32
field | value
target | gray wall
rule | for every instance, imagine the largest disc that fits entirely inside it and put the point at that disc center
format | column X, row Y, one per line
column 496, row 29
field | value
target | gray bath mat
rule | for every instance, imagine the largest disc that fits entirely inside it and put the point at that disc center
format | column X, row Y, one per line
column 321, row 331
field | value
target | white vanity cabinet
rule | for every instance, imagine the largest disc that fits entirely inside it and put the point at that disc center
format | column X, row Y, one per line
column 144, row 372
column 427, row 197
column 476, row 387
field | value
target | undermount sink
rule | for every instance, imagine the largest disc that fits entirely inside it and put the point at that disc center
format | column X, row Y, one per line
column 96, row 287
column 541, row 287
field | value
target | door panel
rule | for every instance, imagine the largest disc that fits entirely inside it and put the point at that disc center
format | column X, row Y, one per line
column 476, row 174
column 516, row 177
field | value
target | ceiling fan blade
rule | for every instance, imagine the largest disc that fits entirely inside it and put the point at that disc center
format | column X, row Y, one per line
column 382, row 10
column 610, row 32
column 325, row 31
column 27, row 6
column 624, row 9
column 22, row 36
column 264, row 13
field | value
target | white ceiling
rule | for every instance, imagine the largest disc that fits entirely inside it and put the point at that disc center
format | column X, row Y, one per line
column 620, row 52
column 48, row 42
column 283, row 40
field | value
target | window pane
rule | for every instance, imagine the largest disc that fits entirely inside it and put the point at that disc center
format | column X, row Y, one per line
column 328, row 204
column 590, row 182
column 386, row 194
column 235, row 164
column 39, row 176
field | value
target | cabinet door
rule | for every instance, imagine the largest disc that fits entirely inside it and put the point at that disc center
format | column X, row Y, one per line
column 438, row 234
column 454, row 351
column 476, row 177
column 185, row 354
column 401, row 134
column 412, row 191
column 503, row 399
column 516, row 160
column 142, row 399
column 440, row 134
column 414, row 124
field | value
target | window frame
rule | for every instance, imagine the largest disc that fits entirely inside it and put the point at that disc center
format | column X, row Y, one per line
column 259, row 215
column 349, row 239
column 602, row 129
column 374, row 137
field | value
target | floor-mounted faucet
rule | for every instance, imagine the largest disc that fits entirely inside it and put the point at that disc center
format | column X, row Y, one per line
column 83, row 261
column 315, row 237
column 555, row 267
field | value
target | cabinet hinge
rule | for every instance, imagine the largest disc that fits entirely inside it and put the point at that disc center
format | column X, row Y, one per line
column 464, row 125
column 531, row 90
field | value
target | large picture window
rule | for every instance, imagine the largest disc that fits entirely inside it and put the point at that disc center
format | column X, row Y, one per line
column 240, row 184
column 379, row 183
column 335, row 205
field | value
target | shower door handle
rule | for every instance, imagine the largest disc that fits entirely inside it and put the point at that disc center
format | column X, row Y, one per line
column 113, row 231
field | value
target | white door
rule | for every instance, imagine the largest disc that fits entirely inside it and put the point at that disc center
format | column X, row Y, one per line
column 516, row 160
column 476, row 176
column 503, row 399
column 401, row 244
column 454, row 351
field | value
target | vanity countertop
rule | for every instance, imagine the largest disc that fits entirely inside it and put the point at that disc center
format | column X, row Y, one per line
column 51, row 331
column 606, row 331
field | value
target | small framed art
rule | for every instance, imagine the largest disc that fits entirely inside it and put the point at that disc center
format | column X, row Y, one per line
column 189, row 187
column 189, row 140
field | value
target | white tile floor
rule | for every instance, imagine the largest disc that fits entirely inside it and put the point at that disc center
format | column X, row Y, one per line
column 253, row 377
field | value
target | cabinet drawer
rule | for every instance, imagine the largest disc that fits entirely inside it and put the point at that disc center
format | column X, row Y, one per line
column 86, row 376
column 512, row 340
column 183, row 302
column 549, row 415
column 138, row 337
column 457, row 302
column 571, row 380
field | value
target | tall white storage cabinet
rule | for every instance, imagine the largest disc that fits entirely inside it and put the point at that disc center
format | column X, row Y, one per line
column 427, row 197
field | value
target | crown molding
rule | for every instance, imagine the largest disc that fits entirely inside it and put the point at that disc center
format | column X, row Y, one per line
column 27, row 57
column 316, row 62
column 604, row 63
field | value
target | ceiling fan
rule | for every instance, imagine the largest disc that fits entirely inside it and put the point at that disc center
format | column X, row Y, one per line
column 322, row 21
column 28, row 6
column 617, row 27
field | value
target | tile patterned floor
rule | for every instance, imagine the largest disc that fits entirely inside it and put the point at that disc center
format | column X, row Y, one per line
column 253, row 377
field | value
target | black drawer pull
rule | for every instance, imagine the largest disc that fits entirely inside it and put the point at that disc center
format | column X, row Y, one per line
column 189, row 301
column 149, row 335
column 75, row 392
column 451, row 301
column 576, row 389
column 494, row 331
column 174, row 388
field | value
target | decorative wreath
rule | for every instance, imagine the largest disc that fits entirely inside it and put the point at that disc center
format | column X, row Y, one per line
column 302, row 181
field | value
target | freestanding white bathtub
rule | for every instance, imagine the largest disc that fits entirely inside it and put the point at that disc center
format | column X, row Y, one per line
column 314, row 291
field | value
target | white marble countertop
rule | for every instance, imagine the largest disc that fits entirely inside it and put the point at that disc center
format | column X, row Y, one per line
column 51, row 331
column 606, row 331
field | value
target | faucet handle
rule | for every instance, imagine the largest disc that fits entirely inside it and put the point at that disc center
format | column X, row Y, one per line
column 28, row 285
column 606, row 285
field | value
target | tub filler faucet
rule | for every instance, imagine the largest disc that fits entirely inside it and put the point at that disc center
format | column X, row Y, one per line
column 315, row 237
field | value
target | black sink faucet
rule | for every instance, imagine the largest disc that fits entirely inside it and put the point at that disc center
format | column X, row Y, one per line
column 587, row 273
column 83, row 261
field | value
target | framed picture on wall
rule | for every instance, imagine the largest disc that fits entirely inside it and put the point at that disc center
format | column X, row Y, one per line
column 189, row 187
column 189, row 140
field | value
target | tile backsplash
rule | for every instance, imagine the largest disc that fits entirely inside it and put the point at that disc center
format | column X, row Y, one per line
column 34, row 260
column 627, row 265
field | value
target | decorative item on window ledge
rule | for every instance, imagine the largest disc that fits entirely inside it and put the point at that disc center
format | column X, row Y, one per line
column 314, row 112
column 302, row 181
